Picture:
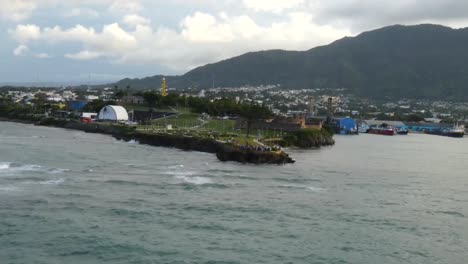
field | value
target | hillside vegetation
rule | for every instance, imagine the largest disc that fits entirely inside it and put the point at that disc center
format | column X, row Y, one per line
column 427, row 61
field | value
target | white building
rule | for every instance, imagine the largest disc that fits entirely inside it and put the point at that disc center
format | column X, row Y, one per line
column 113, row 113
column 92, row 97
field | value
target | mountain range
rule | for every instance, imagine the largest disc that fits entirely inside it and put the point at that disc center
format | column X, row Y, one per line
column 423, row 61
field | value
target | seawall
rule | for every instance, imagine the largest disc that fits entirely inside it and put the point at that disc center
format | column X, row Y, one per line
column 223, row 151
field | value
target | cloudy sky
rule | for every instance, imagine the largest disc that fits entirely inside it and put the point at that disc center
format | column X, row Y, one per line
column 104, row 40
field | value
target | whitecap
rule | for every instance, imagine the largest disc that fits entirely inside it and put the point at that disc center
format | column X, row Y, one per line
column 181, row 173
column 310, row 188
column 58, row 171
column 195, row 180
column 53, row 182
column 4, row 165
column 315, row 189
column 13, row 167
column 28, row 167
column 133, row 142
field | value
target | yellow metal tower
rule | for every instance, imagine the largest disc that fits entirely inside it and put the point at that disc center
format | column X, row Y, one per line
column 163, row 87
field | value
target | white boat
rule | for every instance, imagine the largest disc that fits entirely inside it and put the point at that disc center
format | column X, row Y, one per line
column 363, row 128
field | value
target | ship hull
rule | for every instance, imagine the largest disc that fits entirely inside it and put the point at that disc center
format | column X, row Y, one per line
column 446, row 134
column 385, row 132
column 455, row 134
column 402, row 132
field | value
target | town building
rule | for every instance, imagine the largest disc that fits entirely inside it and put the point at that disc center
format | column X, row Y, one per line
column 344, row 125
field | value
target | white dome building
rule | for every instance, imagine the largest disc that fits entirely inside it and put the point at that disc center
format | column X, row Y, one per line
column 113, row 113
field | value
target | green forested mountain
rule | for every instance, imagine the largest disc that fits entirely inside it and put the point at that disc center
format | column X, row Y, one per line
column 401, row 61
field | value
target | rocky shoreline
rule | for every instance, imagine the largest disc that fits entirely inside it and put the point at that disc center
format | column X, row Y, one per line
column 223, row 151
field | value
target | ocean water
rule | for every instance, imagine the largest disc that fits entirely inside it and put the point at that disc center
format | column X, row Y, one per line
column 71, row 197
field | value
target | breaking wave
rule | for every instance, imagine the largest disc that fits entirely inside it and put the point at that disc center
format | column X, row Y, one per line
column 4, row 165
column 10, row 167
column 53, row 182
column 7, row 167
column 195, row 180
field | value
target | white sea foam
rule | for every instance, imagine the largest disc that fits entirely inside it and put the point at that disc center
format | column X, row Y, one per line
column 187, row 176
column 195, row 180
column 58, row 171
column 53, row 182
column 310, row 188
column 133, row 142
column 26, row 168
column 181, row 173
column 315, row 189
column 4, row 165
column 8, row 167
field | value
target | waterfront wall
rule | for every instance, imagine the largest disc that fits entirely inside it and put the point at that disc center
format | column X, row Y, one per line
column 224, row 152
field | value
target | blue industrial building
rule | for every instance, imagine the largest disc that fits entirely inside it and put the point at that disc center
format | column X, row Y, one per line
column 77, row 105
column 344, row 126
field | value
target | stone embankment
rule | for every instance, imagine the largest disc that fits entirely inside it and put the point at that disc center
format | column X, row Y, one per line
column 224, row 152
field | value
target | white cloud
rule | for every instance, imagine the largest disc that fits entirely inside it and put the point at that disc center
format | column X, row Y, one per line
column 83, row 55
column 133, row 20
column 202, row 38
column 275, row 6
column 26, row 33
column 203, row 27
column 21, row 50
column 16, row 10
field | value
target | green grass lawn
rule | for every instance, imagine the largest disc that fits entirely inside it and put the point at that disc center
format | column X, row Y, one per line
column 243, row 140
column 181, row 121
column 222, row 126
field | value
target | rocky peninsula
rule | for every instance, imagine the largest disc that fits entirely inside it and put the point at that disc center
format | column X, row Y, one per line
column 224, row 151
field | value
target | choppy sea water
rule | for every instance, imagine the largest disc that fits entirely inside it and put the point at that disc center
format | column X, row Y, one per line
column 71, row 197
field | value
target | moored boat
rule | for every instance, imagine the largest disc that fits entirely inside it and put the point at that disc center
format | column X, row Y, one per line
column 383, row 129
column 402, row 131
column 363, row 128
column 457, row 131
